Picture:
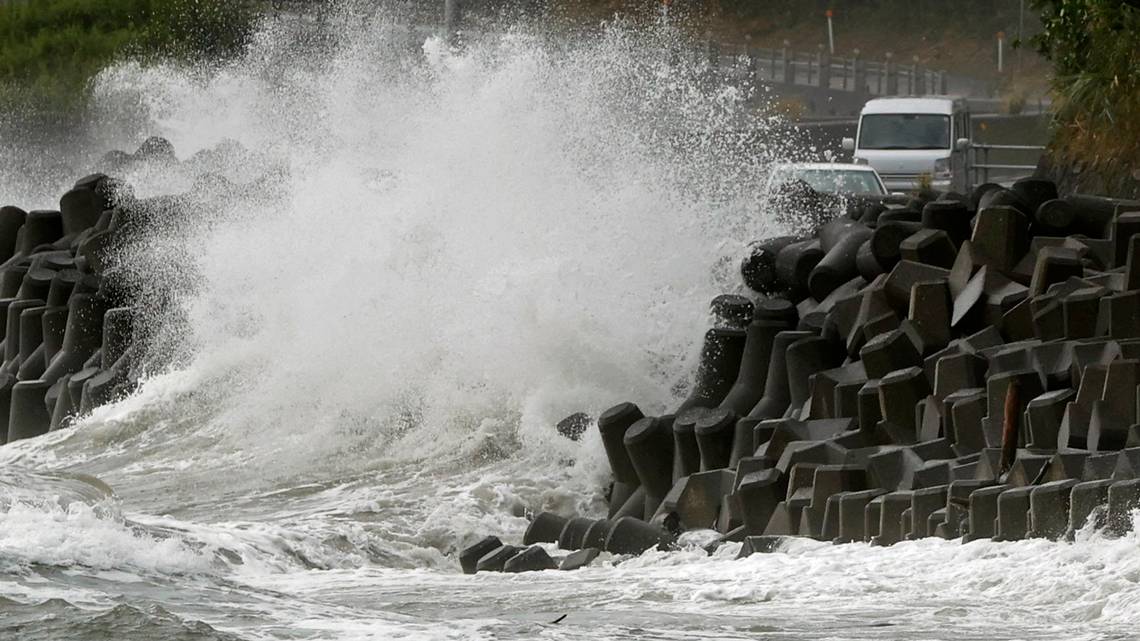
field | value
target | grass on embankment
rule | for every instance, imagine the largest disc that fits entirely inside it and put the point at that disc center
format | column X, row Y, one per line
column 50, row 49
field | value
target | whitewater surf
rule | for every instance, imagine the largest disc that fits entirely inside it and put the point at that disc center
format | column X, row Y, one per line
column 448, row 249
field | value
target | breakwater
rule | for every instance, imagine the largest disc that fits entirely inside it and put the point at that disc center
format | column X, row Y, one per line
column 68, row 315
column 938, row 365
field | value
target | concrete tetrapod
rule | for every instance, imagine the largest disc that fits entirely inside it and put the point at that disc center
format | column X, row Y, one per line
column 649, row 443
column 469, row 557
column 721, row 357
column 777, row 396
column 613, row 424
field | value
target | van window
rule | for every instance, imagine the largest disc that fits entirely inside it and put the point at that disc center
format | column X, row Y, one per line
column 904, row 131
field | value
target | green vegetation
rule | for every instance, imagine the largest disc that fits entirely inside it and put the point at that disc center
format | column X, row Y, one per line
column 49, row 49
column 1094, row 47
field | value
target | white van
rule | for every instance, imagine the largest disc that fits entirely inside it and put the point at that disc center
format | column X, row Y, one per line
column 905, row 139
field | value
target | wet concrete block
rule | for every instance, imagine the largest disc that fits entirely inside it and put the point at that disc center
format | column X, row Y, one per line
column 1054, row 362
column 686, row 452
column 494, row 560
column 1066, row 464
column 1099, row 465
column 758, row 268
column 931, row 308
column 925, row 502
column 788, row 431
column 888, row 352
column 1127, row 464
column 758, row 494
column 28, row 415
column 1124, row 314
column 899, row 392
column 696, row 499
column 613, row 424
column 891, row 508
column 930, row 247
column 929, row 419
column 966, row 264
column 956, row 515
column 633, row 536
column 785, row 520
column 469, row 557
column 715, row 433
column 580, row 559
column 952, row 217
column 933, row 473
column 887, row 238
column 1044, row 415
column 1013, row 514
column 851, row 525
column 1049, row 509
column 984, row 511
column 573, row 534
column 532, row 559
column 1081, row 311
column 1123, row 227
column 869, row 412
column 1027, row 468
column 825, row 402
column 794, row 264
column 965, row 411
column 1048, row 318
column 893, row 468
column 777, row 396
column 649, row 443
column 1123, row 498
column 1088, row 504
column 1054, row 265
column 762, row 544
column 838, row 265
column 1017, row 323
column 806, row 357
column 545, row 528
column 845, row 397
column 1001, row 235
column 721, row 357
column 1107, row 431
column 902, row 279
column 596, row 536
column 1132, row 268
column 829, row 531
column 958, row 372
column 1030, row 386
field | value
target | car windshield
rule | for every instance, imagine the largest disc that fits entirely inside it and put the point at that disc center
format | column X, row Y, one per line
column 833, row 181
column 904, row 131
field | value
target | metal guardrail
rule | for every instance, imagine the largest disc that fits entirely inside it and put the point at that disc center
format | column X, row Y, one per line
column 854, row 73
column 981, row 167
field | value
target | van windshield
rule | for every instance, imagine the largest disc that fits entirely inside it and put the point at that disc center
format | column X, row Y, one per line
column 904, row 131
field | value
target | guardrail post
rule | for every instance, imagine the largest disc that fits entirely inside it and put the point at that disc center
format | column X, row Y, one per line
column 892, row 76
column 789, row 68
column 823, row 61
column 919, row 81
column 712, row 52
column 452, row 15
column 859, row 73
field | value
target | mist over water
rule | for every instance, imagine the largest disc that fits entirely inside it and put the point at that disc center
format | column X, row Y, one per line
column 425, row 256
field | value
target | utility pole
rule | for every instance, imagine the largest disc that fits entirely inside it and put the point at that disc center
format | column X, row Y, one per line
column 1001, row 51
column 1020, row 32
column 830, row 32
column 452, row 14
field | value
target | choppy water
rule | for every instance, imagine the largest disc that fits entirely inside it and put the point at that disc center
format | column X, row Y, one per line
column 453, row 250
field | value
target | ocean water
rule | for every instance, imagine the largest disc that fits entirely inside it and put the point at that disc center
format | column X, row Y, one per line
column 440, row 252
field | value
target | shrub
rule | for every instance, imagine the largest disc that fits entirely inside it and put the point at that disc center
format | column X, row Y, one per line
column 1096, row 54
